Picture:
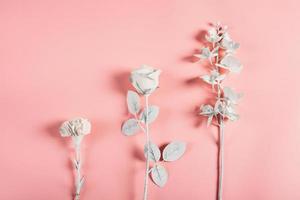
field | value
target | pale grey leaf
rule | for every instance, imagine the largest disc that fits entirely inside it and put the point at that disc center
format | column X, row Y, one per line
column 154, row 153
column 174, row 151
column 133, row 102
column 206, row 110
column 213, row 36
column 230, row 113
column 205, row 53
column 152, row 114
column 207, row 79
column 231, row 95
column 130, row 127
column 214, row 78
column 228, row 44
column 159, row 175
column 231, row 63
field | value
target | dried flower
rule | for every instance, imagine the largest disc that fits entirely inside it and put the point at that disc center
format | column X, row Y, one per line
column 145, row 79
column 75, row 127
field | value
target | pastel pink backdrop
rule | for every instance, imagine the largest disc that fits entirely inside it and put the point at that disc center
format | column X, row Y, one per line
column 60, row 59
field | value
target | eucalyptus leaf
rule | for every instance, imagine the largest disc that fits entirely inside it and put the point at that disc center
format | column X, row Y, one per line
column 231, row 63
column 230, row 113
column 130, row 127
column 206, row 110
column 159, row 175
column 228, row 44
column 214, row 78
column 152, row 114
column 231, row 95
column 154, row 153
column 133, row 102
column 213, row 36
column 174, row 151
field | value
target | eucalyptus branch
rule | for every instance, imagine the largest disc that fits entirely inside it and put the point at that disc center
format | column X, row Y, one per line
column 226, row 97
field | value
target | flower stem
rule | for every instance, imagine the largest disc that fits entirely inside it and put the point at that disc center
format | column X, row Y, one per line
column 221, row 143
column 146, row 178
column 77, row 166
column 221, row 159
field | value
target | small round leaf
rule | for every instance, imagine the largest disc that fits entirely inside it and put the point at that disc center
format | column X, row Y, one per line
column 159, row 175
column 130, row 127
column 174, row 151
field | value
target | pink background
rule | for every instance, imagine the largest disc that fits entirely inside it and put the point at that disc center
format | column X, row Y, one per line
column 60, row 59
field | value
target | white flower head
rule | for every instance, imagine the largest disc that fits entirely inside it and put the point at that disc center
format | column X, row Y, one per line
column 145, row 79
column 76, row 127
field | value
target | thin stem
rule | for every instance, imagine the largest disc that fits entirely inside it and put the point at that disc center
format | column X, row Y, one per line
column 221, row 142
column 139, row 123
column 221, row 159
column 78, row 172
column 146, row 180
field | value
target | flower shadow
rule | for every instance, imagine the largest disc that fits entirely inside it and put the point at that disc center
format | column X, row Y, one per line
column 200, row 38
column 53, row 131
column 121, row 82
column 138, row 153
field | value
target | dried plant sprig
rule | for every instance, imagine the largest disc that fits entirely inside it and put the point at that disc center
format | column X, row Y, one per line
column 76, row 128
column 220, row 54
column 146, row 81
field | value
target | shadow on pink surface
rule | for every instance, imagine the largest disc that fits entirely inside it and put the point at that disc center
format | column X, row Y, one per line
column 53, row 131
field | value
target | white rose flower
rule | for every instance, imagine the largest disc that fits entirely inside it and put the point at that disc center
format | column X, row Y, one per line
column 75, row 127
column 145, row 79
